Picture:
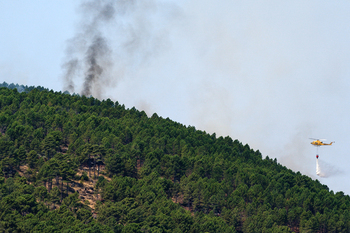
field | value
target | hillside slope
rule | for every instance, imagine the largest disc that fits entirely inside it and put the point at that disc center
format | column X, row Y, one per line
column 69, row 162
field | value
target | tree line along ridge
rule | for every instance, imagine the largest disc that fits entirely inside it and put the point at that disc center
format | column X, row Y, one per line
column 76, row 163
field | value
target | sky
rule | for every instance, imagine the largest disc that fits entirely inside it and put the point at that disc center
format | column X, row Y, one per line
column 271, row 74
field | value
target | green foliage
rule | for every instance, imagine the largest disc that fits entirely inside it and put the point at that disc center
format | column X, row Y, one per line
column 84, row 177
column 159, row 176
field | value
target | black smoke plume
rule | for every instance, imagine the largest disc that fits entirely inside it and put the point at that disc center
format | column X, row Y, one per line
column 97, row 50
column 116, row 39
column 88, row 52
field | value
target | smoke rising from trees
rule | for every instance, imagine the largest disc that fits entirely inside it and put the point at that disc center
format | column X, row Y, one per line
column 114, row 38
column 270, row 75
column 89, row 49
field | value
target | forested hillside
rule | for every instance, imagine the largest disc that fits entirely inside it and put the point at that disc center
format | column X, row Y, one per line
column 72, row 163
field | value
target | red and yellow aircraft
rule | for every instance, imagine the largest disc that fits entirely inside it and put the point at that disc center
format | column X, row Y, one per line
column 318, row 142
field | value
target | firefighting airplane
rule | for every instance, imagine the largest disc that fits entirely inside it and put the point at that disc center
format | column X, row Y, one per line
column 318, row 142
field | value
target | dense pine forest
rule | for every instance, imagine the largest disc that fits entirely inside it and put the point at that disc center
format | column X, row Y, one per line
column 70, row 163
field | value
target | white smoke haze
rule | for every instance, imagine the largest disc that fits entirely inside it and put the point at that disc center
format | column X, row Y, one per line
column 324, row 169
column 270, row 74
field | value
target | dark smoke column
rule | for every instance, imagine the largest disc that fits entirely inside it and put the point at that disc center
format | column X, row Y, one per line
column 136, row 29
column 88, row 53
column 96, row 51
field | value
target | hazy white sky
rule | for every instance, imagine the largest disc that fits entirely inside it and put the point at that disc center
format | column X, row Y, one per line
column 268, row 73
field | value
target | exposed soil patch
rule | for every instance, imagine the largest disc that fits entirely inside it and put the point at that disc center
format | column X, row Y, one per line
column 86, row 189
